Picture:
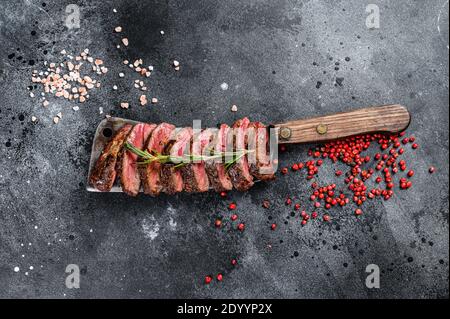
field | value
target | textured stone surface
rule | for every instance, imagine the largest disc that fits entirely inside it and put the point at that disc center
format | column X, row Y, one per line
column 265, row 52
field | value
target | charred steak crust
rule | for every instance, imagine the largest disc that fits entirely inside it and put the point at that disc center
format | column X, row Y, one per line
column 217, row 174
column 129, row 170
column 104, row 173
column 189, row 181
column 261, row 158
column 239, row 172
column 168, row 184
column 151, row 174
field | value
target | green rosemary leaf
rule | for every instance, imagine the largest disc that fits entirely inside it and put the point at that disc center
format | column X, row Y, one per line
column 152, row 156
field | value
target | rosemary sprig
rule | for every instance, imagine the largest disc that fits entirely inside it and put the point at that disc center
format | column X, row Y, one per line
column 153, row 156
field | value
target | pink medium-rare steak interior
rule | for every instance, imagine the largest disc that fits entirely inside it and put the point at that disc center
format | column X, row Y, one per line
column 218, row 175
column 130, row 176
column 259, row 160
column 171, row 178
column 239, row 173
column 160, row 137
column 104, row 173
column 200, row 142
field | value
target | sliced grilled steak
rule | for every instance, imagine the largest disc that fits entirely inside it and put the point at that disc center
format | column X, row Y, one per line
column 151, row 174
column 259, row 160
column 239, row 172
column 194, row 174
column 104, row 172
column 218, row 176
column 171, row 179
column 130, row 175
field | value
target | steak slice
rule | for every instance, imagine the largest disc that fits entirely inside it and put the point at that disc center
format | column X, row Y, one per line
column 171, row 179
column 259, row 160
column 129, row 173
column 104, row 172
column 194, row 174
column 151, row 177
column 217, row 173
column 239, row 172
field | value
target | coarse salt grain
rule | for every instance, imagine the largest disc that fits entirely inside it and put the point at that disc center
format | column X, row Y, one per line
column 143, row 100
column 124, row 105
column 125, row 41
column 154, row 100
column 118, row 29
column 234, row 108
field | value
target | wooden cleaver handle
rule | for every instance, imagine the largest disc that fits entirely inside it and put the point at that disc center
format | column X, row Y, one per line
column 387, row 118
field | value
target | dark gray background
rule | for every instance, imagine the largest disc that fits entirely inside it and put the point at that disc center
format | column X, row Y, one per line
column 264, row 51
